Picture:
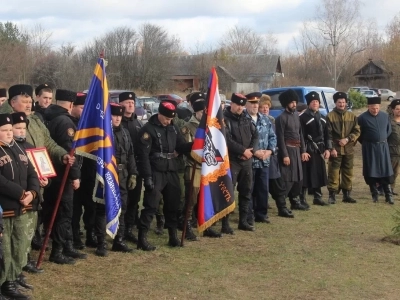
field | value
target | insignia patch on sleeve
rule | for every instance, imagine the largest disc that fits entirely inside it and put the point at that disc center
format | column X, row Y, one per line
column 145, row 136
column 70, row 132
column 184, row 130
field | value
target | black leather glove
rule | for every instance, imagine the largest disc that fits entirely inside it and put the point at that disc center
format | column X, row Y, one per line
column 148, row 183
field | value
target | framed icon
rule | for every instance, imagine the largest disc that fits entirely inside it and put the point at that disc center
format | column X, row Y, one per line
column 42, row 162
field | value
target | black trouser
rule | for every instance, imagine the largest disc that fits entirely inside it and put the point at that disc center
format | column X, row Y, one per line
column 84, row 197
column 123, row 180
column 277, row 189
column 62, row 229
column 167, row 186
column 132, row 209
column 100, row 221
column 242, row 174
column 293, row 188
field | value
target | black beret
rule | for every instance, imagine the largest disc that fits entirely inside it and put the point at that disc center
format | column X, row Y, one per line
column 18, row 117
column 339, row 95
column 65, row 95
column 117, row 110
column 80, row 99
column 312, row 96
column 3, row 93
column 167, row 109
column 394, row 103
column 126, row 96
column 19, row 89
column 238, row 99
column 199, row 105
column 288, row 96
column 193, row 97
column 41, row 87
column 5, row 119
column 373, row 100
column 253, row 97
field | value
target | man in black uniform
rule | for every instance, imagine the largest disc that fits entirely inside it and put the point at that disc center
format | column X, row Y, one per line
column 125, row 157
column 83, row 197
column 133, row 125
column 159, row 143
column 314, row 170
column 62, row 130
column 242, row 142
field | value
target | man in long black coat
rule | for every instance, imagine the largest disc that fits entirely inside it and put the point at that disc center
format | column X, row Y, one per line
column 377, row 168
column 291, row 148
column 318, row 147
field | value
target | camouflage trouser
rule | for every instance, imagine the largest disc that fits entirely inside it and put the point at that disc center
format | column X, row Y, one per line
column 159, row 211
column 14, row 247
column 191, row 200
column 32, row 217
column 340, row 172
column 396, row 168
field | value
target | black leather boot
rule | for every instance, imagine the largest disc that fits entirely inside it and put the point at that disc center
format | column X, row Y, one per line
column 120, row 246
column 388, row 193
column 303, row 198
column 143, row 244
column 160, row 225
column 243, row 224
column 31, row 266
column 285, row 213
column 91, row 239
column 101, row 249
column 296, row 205
column 78, row 244
column 173, row 240
column 318, row 199
column 57, row 256
column 9, row 289
column 129, row 235
column 189, row 234
column 374, row 192
column 21, row 280
column 226, row 228
column 347, row 198
column 70, row 251
column 332, row 197
column 209, row 232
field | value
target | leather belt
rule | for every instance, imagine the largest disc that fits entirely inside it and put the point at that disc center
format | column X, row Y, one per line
column 292, row 143
column 163, row 155
column 121, row 167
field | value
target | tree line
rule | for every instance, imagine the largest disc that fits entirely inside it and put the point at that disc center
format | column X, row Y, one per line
column 328, row 51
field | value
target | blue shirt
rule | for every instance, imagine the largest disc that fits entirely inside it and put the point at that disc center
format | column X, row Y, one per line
column 267, row 138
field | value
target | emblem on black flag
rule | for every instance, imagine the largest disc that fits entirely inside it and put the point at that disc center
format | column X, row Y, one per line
column 212, row 156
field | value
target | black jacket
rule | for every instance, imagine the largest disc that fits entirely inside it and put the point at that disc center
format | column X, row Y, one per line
column 241, row 134
column 62, row 130
column 123, row 149
column 17, row 175
column 133, row 125
column 153, row 139
column 40, row 111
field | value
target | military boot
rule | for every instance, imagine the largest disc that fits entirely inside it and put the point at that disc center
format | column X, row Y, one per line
column 189, row 234
column 21, row 280
column 226, row 228
column 91, row 239
column 31, row 266
column 374, row 192
column 120, row 246
column 9, row 289
column 70, row 251
column 347, row 198
column 78, row 244
column 57, row 256
column 388, row 193
column 173, row 240
column 160, row 225
column 209, row 232
column 332, row 197
column 296, row 205
column 318, row 199
column 285, row 213
column 143, row 244
column 243, row 224
column 303, row 198
column 129, row 235
column 101, row 249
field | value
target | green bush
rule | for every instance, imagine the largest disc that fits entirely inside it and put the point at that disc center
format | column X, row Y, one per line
column 358, row 99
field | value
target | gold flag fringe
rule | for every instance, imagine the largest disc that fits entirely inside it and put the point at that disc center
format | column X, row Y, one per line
column 216, row 217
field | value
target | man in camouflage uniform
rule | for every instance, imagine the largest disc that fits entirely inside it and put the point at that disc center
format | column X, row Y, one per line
column 343, row 131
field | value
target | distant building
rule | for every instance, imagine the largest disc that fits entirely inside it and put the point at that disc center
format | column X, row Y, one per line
column 374, row 74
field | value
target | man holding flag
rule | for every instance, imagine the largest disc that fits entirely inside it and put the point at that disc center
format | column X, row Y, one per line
column 159, row 144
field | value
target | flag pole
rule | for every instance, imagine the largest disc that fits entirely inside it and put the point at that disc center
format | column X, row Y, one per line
column 187, row 203
column 53, row 217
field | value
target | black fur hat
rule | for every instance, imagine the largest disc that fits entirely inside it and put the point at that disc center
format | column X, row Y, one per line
column 288, row 96
column 312, row 96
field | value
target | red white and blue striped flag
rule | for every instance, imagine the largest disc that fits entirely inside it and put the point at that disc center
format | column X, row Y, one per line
column 216, row 197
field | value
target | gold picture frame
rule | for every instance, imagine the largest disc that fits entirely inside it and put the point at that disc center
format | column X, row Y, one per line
column 41, row 161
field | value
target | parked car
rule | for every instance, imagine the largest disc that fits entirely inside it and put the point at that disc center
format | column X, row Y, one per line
column 172, row 97
column 358, row 88
column 146, row 101
column 369, row 93
column 378, row 91
column 140, row 111
column 387, row 94
column 325, row 93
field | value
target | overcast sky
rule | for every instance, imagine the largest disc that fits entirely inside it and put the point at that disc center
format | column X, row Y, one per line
column 195, row 22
